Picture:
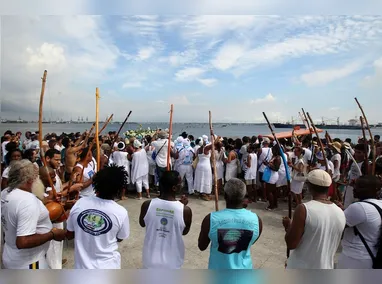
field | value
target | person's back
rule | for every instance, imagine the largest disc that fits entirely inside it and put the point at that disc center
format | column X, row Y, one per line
column 97, row 224
column 232, row 233
column 163, row 246
column 324, row 224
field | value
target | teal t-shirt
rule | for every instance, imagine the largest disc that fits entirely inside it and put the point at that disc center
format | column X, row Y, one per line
column 232, row 233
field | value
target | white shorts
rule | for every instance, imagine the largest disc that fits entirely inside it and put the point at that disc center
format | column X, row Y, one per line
column 250, row 181
column 142, row 181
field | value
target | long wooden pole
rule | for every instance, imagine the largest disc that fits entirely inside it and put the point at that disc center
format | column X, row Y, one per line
column 40, row 119
column 286, row 171
column 97, row 130
column 373, row 149
column 213, row 158
column 366, row 161
column 169, row 139
column 319, row 142
column 42, row 154
column 106, row 123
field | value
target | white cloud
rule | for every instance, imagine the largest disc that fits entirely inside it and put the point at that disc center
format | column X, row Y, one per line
column 189, row 74
column 228, row 55
column 132, row 85
column 46, row 56
column 334, row 108
column 208, row 82
column 374, row 80
column 326, row 76
column 178, row 100
column 145, row 53
column 267, row 99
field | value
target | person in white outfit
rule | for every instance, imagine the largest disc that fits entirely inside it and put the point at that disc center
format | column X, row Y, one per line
column 203, row 171
column 166, row 220
column 97, row 224
column 315, row 232
column 219, row 158
column 140, row 170
column 360, row 244
column 250, row 172
column 84, row 172
column 299, row 173
column 120, row 158
column 185, row 157
column 263, row 156
column 25, row 221
column 231, row 163
column 270, row 183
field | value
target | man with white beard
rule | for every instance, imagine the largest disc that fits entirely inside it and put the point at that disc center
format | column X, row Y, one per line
column 25, row 221
column 186, row 157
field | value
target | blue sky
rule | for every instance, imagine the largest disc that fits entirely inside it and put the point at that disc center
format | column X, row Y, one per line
column 236, row 66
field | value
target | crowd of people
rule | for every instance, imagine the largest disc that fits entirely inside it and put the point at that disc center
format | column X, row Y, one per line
column 343, row 207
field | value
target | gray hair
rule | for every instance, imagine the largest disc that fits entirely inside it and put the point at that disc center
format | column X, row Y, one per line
column 21, row 172
column 235, row 190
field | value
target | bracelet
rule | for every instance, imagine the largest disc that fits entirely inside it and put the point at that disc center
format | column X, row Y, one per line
column 54, row 236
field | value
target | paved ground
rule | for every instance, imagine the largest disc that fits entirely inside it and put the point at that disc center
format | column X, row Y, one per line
column 268, row 252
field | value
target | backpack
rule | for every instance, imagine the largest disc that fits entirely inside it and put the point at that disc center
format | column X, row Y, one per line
column 377, row 259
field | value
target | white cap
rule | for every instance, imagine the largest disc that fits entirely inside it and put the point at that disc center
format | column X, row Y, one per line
column 137, row 144
column 320, row 178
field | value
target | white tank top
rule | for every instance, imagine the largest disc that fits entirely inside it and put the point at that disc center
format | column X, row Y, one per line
column 163, row 246
column 88, row 173
column 324, row 225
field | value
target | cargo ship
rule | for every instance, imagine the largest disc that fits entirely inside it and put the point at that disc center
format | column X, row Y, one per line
column 353, row 125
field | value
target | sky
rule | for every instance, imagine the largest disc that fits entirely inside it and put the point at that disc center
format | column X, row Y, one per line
column 236, row 66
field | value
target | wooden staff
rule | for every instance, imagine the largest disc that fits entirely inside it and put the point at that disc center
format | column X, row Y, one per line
column 116, row 136
column 106, row 123
column 286, row 171
column 307, row 121
column 97, row 130
column 373, row 149
column 54, row 207
column 365, row 145
column 214, row 164
column 169, row 139
column 328, row 138
column 319, row 142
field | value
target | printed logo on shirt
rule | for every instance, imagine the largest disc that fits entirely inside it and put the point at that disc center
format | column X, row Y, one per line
column 234, row 240
column 94, row 222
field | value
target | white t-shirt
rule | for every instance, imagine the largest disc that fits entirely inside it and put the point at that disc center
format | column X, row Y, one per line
column 336, row 171
column 3, row 148
column 33, row 145
column 368, row 221
column 88, row 174
column 96, row 232
column 22, row 214
column 120, row 158
column 307, row 155
column 266, row 155
column 6, row 173
column 161, row 158
column 163, row 247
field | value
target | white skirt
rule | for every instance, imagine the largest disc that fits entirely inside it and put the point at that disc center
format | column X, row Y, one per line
column 296, row 186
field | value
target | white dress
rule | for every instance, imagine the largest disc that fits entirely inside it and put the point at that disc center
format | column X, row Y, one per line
column 219, row 163
column 203, row 174
column 250, row 173
column 282, row 181
column 231, row 169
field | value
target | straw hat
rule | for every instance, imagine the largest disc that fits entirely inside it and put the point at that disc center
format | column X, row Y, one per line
column 336, row 146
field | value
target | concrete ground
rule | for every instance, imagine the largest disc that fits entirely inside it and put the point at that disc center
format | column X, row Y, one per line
column 268, row 252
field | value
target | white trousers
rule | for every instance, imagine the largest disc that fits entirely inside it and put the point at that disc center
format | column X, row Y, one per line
column 54, row 254
column 142, row 181
column 188, row 172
